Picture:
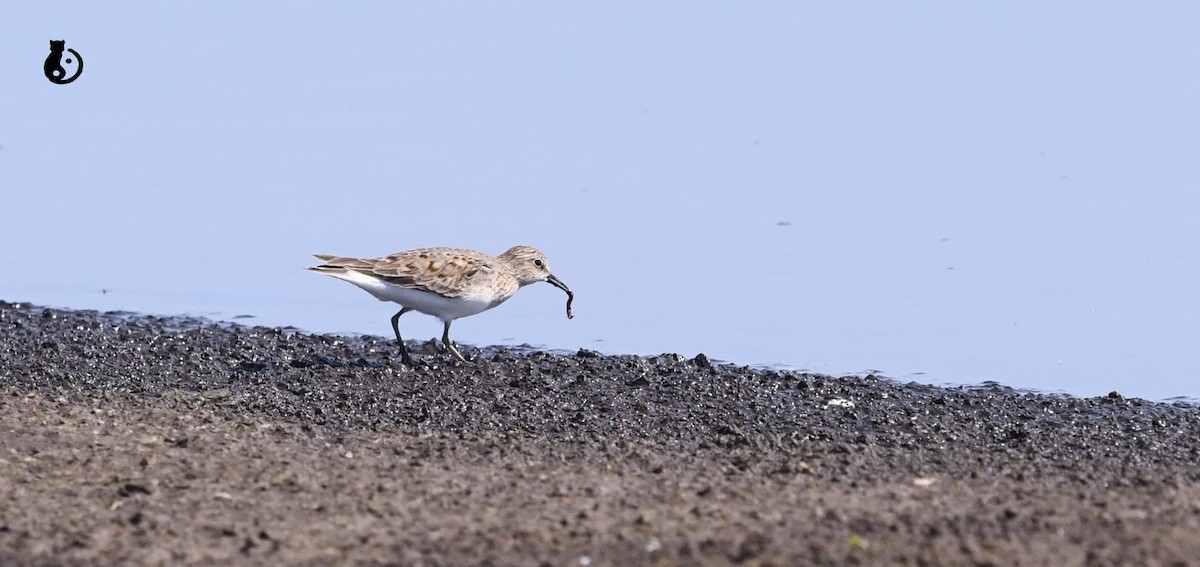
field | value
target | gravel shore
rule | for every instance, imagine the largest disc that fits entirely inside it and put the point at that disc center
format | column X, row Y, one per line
column 137, row 440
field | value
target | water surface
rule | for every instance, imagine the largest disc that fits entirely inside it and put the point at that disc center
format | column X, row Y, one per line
column 943, row 193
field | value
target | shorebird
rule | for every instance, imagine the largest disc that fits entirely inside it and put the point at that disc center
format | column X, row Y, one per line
column 447, row 283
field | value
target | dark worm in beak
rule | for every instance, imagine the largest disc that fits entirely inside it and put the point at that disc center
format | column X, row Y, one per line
column 570, row 296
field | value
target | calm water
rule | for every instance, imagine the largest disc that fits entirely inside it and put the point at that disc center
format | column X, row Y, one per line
column 952, row 194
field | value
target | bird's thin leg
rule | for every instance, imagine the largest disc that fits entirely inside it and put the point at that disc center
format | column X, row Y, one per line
column 449, row 345
column 404, row 357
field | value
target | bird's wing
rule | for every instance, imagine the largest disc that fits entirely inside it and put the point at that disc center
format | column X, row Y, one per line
column 446, row 272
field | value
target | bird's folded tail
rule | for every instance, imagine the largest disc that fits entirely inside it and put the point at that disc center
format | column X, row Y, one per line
column 334, row 264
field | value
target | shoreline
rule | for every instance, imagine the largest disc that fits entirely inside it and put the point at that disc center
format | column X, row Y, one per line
column 129, row 439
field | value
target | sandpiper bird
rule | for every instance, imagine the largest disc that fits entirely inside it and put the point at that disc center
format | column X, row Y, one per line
column 447, row 283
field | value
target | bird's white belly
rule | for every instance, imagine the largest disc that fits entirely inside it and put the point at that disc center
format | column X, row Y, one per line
column 442, row 307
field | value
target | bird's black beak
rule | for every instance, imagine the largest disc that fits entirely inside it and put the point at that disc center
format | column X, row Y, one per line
column 557, row 283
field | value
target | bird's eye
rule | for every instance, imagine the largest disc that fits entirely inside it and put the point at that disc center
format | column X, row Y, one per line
column 539, row 263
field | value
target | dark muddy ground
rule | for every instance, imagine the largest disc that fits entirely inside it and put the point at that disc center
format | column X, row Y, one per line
column 144, row 440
